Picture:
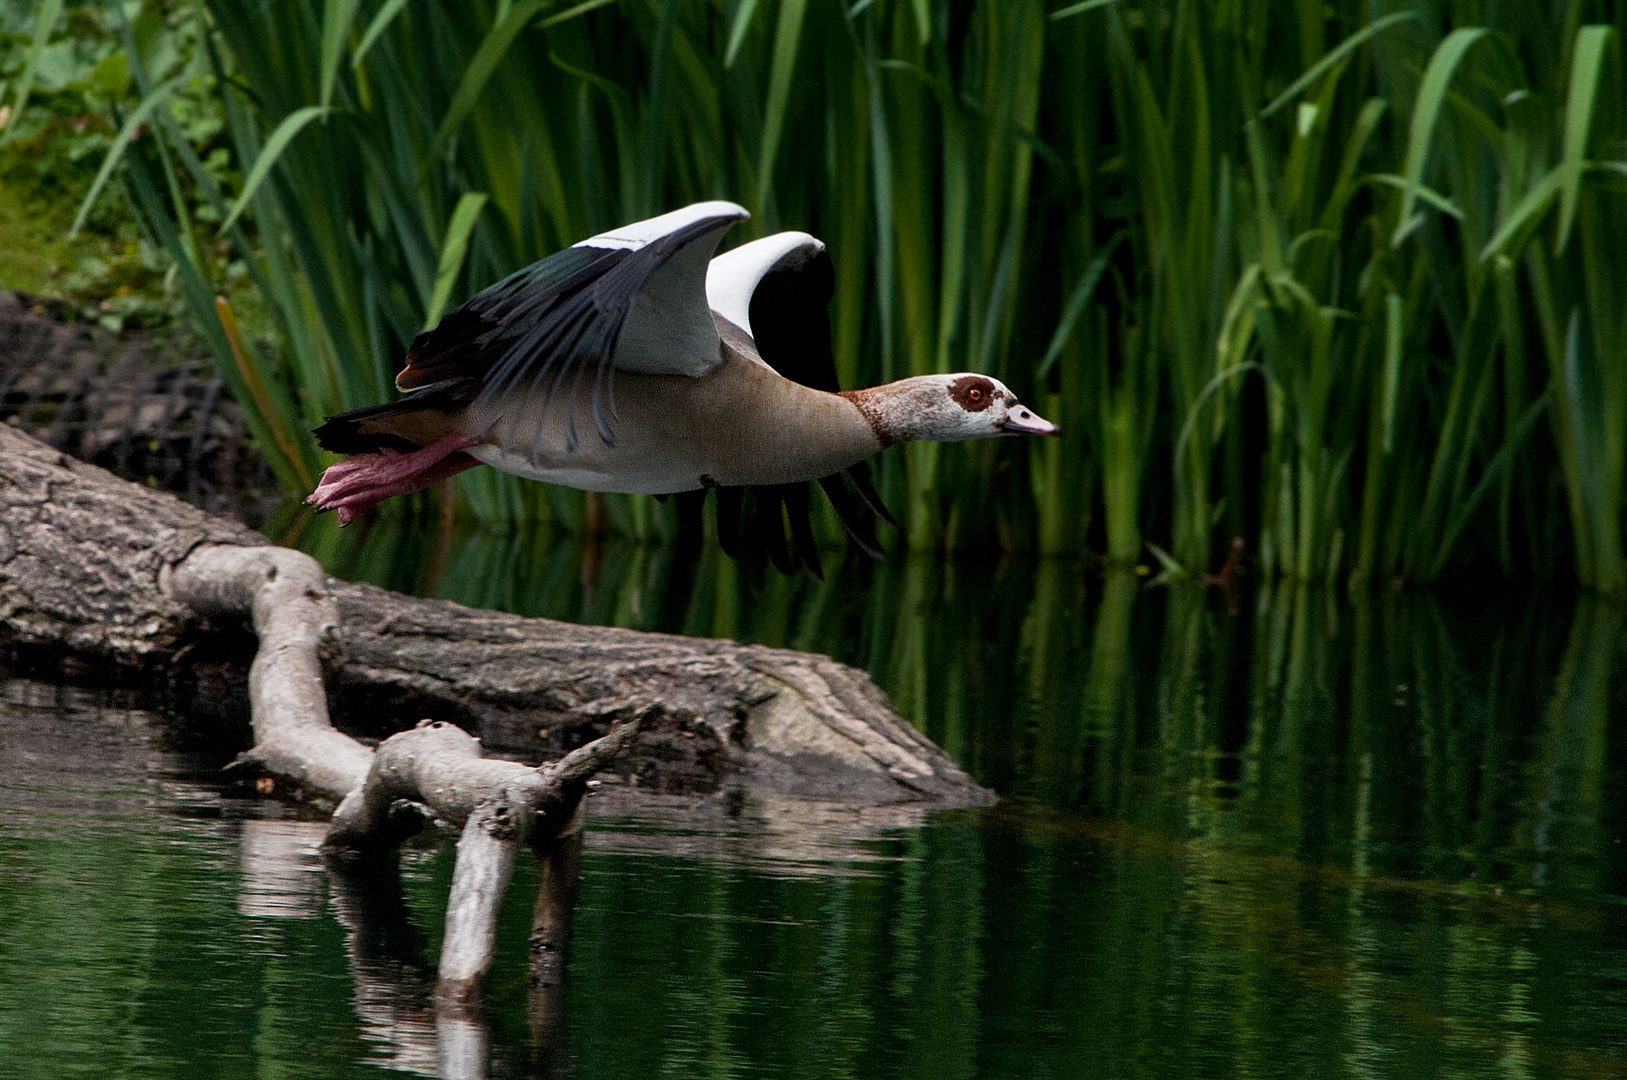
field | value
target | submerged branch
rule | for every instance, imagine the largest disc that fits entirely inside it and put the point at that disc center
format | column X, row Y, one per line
column 94, row 568
column 436, row 769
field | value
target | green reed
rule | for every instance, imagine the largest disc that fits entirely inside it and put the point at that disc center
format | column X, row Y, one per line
column 1343, row 280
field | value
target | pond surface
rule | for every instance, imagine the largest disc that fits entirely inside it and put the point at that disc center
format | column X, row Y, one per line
column 1304, row 837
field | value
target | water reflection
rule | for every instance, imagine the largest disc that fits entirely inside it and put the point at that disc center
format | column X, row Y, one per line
column 1317, row 836
column 394, row 983
column 1460, row 737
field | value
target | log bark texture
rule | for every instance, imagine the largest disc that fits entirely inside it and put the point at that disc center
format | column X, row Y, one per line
column 88, row 571
column 82, row 553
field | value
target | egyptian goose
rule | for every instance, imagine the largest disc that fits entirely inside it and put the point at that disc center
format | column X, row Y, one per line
column 635, row 362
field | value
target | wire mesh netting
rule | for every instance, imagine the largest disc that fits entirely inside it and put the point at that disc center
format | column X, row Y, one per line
column 144, row 405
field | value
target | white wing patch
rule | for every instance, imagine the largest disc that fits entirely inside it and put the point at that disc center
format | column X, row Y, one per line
column 732, row 277
column 639, row 233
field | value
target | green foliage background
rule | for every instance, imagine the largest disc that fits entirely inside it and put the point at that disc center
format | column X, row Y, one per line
column 1345, row 280
column 58, row 94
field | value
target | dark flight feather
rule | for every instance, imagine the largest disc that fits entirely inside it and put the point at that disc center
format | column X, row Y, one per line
column 343, row 434
column 547, row 326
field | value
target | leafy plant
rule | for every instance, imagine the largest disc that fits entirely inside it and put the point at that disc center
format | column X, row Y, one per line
column 63, row 71
column 1333, row 279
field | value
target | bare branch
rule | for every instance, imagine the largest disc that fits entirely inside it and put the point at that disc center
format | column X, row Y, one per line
column 584, row 761
column 298, row 626
column 486, row 852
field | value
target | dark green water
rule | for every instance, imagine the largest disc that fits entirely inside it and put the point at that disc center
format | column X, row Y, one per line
column 1311, row 838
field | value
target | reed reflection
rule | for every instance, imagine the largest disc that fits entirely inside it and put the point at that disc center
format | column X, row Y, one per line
column 1286, row 825
column 1405, row 734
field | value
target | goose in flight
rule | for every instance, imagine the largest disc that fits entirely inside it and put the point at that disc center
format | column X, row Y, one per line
column 636, row 362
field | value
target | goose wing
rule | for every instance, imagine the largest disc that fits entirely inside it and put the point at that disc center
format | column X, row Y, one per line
column 778, row 290
column 632, row 299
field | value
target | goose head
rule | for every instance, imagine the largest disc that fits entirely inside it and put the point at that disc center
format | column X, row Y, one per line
column 947, row 408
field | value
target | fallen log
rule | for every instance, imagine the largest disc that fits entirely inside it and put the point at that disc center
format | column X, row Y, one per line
column 115, row 575
column 88, row 565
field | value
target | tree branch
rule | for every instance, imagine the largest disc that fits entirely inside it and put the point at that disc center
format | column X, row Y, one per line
column 297, row 622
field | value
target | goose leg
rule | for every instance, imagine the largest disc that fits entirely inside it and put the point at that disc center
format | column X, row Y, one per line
column 361, row 481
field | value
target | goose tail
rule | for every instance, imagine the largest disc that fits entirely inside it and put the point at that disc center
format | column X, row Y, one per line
column 402, row 426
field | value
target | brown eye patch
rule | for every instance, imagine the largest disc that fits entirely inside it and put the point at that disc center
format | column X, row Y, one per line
column 973, row 393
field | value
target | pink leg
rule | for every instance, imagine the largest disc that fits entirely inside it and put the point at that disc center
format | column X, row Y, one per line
column 361, row 481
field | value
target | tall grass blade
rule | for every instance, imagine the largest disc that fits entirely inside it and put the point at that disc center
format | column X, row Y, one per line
column 923, row 21
column 572, row 12
column 1392, row 367
column 1080, row 297
column 337, row 16
column 257, row 392
column 1525, row 216
column 1425, row 112
column 284, row 134
column 45, row 20
column 1333, row 57
column 381, row 22
column 452, row 253
column 743, row 13
column 127, row 131
column 1080, row 9
column 1496, row 471
column 481, row 68
column 1422, row 192
column 1586, row 65
column 787, row 33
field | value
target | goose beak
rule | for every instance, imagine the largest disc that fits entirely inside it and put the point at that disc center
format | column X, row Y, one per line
column 1021, row 420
